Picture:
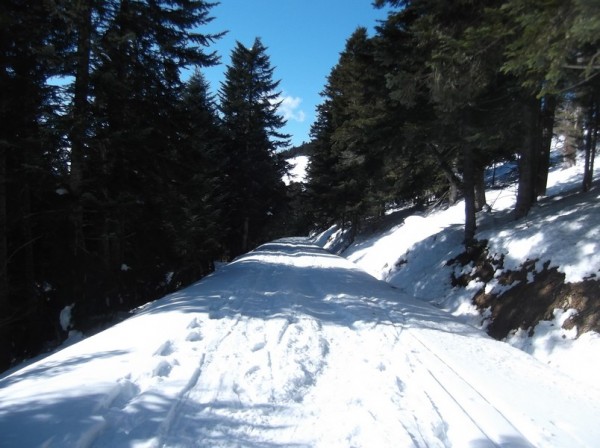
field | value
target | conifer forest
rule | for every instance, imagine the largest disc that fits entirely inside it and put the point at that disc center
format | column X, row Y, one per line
column 123, row 178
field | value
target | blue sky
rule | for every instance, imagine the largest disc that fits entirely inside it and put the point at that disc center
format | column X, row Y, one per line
column 303, row 40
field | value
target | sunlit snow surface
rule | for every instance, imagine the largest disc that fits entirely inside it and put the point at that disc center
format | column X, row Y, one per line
column 292, row 346
column 298, row 167
column 563, row 228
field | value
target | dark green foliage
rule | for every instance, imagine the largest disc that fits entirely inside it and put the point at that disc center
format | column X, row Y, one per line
column 254, row 192
column 109, row 184
column 323, row 170
column 129, row 173
column 353, row 136
column 443, row 90
column 554, row 44
column 127, row 182
column 193, row 202
column 124, row 183
column 30, row 214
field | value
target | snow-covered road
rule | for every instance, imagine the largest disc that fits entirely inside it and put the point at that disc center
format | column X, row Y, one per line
column 292, row 346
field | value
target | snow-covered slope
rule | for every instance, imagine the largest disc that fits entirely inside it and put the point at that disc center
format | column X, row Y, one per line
column 293, row 346
column 413, row 252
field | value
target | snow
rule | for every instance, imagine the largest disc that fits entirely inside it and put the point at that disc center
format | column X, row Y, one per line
column 298, row 170
column 65, row 317
column 561, row 348
column 291, row 345
column 563, row 228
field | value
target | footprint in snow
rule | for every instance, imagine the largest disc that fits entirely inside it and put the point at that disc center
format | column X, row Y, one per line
column 251, row 371
column 162, row 369
column 165, row 349
column 119, row 396
column 193, row 324
column 194, row 335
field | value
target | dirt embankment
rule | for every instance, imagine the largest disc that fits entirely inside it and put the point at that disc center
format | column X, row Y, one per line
column 530, row 296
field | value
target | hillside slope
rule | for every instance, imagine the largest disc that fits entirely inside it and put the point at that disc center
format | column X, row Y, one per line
column 293, row 346
column 534, row 282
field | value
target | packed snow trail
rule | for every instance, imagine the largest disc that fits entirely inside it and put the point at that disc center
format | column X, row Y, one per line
column 292, row 346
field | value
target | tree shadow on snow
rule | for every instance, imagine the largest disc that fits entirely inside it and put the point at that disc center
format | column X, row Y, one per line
column 294, row 277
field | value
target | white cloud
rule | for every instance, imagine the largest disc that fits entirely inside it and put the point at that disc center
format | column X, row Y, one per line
column 290, row 108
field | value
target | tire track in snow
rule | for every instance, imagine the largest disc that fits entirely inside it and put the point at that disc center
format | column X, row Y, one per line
column 167, row 423
column 234, row 392
column 447, row 389
column 297, row 349
column 357, row 399
column 298, row 359
column 224, row 329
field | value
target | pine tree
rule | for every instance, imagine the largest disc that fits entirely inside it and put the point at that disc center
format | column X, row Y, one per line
column 136, row 49
column 26, row 177
column 356, row 130
column 86, row 169
column 323, row 171
column 420, row 145
column 253, row 170
column 192, row 204
column 362, row 129
column 448, row 72
column 553, row 49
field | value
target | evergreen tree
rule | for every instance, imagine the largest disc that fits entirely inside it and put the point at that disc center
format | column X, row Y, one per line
column 326, row 207
column 459, row 58
column 130, row 165
column 88, row 171
column 421, row 145
column 192, row 204
column 27, row 181
column 354, row 134
column 361, row 114
column 252, row 168
column 553, row 49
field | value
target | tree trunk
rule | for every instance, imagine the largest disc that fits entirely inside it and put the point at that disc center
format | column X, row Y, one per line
column 83, row 13
column 4, row 302
column 587, row 162
column 28, row 256
column 80, row 97
column 526, row 190
column 469, row 194
column 594, row 142
column 245, row 232
column 590, row 146
column 528, row 163
column 479, row 186
column 452, row 193
column 454, row 182
column 5, row 357
column 547, row 114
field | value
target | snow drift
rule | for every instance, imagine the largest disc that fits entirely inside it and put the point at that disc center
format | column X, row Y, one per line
column 293, row 346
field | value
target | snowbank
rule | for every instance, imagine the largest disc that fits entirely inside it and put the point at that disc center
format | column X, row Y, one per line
column 290, row 345
column 563, row 228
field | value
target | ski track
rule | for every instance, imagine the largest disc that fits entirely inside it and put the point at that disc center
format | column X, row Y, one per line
column 301, row 349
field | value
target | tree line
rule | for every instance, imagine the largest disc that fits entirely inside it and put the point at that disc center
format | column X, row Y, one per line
column 121, row 179
column 443, row 90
